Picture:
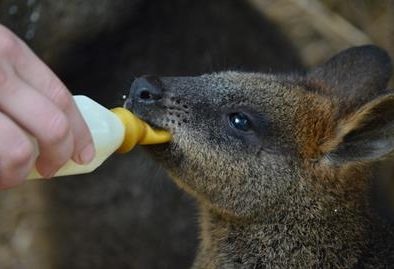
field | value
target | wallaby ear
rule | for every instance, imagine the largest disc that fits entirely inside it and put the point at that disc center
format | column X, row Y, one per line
column 366, row 135
column 355, row 75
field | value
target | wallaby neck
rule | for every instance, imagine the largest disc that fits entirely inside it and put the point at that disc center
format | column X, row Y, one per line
column 297, row 240
column 304, row 229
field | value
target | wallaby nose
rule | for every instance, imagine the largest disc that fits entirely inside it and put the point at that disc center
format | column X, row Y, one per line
column 146, row 89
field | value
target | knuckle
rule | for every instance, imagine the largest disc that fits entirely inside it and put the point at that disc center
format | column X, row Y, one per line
column 58, row 129
column 3, row 77
column 21, row 154
column 8, row 42
column 60, row 96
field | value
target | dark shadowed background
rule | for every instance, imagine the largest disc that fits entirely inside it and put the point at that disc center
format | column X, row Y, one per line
column 128, row 214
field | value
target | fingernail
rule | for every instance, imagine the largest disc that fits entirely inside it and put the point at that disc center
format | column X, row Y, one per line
column 49, row 174
column 87, row 154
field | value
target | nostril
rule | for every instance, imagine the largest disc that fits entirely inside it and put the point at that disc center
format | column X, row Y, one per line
column 145, row 95
column 148, row 95
column 146, row 89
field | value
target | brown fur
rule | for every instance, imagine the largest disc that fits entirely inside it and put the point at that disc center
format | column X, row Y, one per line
column 296, row 189
column 316, row 125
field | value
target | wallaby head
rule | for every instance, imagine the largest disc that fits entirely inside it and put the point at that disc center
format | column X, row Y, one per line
column 241, row 140
column 259, row 147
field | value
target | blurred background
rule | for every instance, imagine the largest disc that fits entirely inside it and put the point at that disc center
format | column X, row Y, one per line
column 128, row 214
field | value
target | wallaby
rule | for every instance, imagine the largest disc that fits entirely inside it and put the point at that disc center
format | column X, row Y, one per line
column 284, row 167
column 101, row 220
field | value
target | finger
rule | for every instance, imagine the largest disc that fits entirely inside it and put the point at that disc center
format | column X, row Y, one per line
column 35, row 73
column 32, row 70
column 42, row 119
column 17, row 153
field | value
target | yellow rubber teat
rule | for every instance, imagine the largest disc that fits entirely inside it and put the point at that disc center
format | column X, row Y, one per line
column 138, row 131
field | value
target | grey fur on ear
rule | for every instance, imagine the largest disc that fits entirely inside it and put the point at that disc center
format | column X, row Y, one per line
column 366, row 135
column 355, row 75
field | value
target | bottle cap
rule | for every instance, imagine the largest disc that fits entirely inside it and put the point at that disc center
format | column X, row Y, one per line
column 138, row 131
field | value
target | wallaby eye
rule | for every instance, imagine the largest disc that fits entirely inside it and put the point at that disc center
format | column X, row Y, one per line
column 240, row 121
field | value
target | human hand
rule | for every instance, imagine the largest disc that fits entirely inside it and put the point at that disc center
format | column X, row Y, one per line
column 35, row 103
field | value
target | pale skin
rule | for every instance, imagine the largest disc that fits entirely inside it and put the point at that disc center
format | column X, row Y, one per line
column 35, row 103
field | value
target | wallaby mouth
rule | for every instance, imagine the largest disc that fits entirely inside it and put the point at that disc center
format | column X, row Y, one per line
column 158, row 101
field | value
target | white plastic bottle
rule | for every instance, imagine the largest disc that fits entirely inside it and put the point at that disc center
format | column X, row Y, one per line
column 111, row 130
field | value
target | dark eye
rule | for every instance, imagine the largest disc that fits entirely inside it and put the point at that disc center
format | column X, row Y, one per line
column 240, row 121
